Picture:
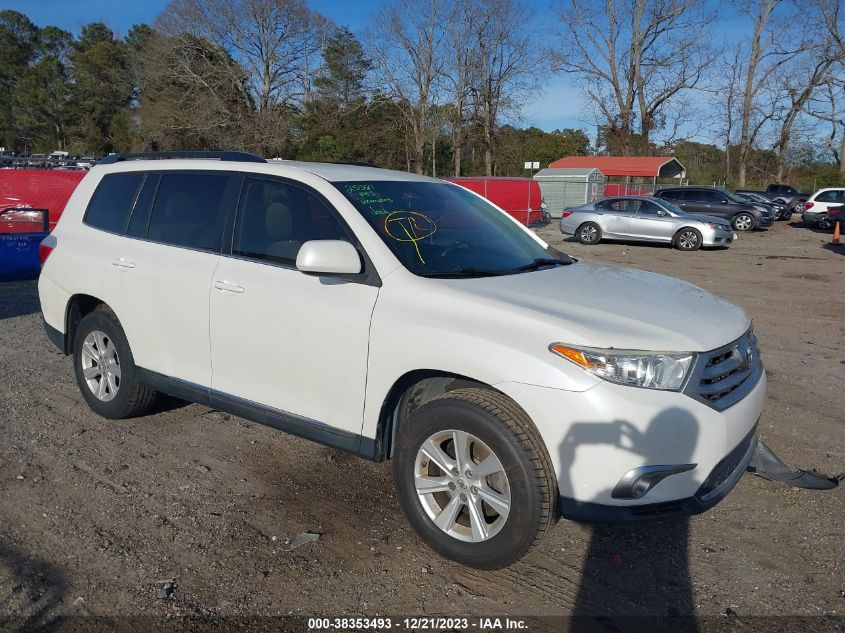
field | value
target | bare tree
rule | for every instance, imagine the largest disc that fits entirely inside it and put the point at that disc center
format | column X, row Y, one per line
column 726, row 95
column 504, row 68
column 635, row 59
column 833, row 89
column 797, row 88
column 192, row 94
column 276, row 41
column 774, row 42
column 407, row 43
column 458, row 75
column 824, row 107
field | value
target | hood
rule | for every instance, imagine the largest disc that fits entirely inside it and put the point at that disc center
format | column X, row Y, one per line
column 622, row 308
column 712, row 219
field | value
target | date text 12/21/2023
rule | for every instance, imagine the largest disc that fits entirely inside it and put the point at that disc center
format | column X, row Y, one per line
column 418, row 623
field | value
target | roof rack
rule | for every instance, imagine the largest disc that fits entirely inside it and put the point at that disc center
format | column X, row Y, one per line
column 237, row 157
column 355, row 163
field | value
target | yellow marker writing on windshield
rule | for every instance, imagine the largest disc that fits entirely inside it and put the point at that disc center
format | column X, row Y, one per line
column 409, row 226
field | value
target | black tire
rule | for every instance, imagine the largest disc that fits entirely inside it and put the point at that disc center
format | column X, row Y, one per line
column 506, row 429
column 688, row 239
column 588, row 233
column 130, row 398
column 743, row 222
column 824, row 222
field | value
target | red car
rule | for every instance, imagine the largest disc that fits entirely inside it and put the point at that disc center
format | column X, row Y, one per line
column 520, row 197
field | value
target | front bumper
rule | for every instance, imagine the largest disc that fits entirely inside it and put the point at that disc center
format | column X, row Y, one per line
column 717, row 237
column 597, row 436
column 716, row 487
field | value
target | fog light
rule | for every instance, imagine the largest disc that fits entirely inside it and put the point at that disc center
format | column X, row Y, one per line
column 637, row 482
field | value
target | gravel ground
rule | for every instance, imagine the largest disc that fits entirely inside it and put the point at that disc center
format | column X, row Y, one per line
column 95, row 515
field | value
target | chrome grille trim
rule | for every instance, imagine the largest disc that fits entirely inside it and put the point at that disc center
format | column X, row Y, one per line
column 722, row 377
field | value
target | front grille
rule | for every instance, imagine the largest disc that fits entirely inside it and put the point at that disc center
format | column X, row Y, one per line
column 724, row 376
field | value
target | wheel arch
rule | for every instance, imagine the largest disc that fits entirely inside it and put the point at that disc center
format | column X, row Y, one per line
column 78, row 306
column 408, row 393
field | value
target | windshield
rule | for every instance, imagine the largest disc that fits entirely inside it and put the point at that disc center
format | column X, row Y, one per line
column 674, row 208
column 734, row 198
column 443, row 230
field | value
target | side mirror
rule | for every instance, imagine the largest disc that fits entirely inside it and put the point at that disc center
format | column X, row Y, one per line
column 328, row 257
column 724, row 201
column 662, row 213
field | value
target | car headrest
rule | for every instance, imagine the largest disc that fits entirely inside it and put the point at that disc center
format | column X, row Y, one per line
column 278, row 221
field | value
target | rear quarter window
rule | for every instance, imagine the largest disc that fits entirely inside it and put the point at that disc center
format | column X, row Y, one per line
column 828, row 196
column 111, row 203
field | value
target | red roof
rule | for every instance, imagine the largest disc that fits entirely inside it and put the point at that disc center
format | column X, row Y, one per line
column 649, row 166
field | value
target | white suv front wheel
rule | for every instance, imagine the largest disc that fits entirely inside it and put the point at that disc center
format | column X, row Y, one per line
column 474, row 478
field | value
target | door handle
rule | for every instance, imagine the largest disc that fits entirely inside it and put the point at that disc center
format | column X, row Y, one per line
column 122, row 263
column 226, row 286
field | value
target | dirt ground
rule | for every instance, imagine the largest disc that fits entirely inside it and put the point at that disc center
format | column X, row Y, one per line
column 94, row 513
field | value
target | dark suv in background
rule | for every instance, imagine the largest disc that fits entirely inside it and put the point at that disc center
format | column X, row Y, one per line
column 743, row 216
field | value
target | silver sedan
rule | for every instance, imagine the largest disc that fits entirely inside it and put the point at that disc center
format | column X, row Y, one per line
column 647, row 219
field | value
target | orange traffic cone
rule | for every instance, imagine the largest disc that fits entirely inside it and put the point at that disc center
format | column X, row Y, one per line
column 836, row 234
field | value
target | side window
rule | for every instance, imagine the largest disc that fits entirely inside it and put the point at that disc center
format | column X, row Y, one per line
column 713, row 197
column 620, row 205
column 141, row 213
column 188, row 210
column 672, row 194
column 828, row 196
column 649, row 208
column 112, row 201
column 276, row 218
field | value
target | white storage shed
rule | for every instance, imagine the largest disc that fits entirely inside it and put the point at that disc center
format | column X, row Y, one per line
column 569, row 187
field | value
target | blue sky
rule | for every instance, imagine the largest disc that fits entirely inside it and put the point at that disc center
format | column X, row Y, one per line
column 559, row 105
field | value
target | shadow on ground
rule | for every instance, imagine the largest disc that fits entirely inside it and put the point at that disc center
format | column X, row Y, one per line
column 31, row 590
column 639, row 569
column 18, row 298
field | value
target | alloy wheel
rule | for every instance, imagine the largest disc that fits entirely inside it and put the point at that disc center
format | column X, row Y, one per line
column 588, row 233
column 462, row 486
column 101, row 366
column 743, row 223
column 688, row 240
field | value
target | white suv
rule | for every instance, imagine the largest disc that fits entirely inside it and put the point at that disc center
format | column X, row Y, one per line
column 816, row 208
column 397, row 316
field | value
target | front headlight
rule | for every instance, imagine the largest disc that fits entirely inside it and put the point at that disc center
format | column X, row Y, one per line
column 649, row 370
column 714, row 225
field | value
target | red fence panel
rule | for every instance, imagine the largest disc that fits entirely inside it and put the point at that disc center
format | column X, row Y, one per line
column 36, row 189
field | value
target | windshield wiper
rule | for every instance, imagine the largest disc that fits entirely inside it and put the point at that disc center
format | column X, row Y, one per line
column 467, row 271
column 539, row 263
